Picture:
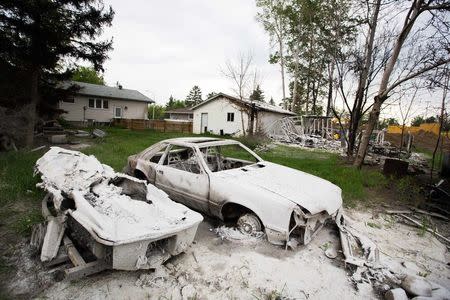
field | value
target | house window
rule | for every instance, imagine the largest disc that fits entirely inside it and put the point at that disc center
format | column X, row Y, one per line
column 69, row 100
column 98, row 103
column 118, row 112
column 230, row 117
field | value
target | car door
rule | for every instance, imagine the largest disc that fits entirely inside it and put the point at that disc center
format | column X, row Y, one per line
column 181, row 176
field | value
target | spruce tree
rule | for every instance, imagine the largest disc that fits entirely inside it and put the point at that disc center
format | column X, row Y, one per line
column 194, row 97
column 42, row 40
column 257, row 95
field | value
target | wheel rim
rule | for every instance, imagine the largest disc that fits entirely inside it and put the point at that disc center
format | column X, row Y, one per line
column 249, row 224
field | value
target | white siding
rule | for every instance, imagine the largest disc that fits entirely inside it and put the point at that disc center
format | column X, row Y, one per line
column 217, row 117
column 266, row 119
column 76, row 112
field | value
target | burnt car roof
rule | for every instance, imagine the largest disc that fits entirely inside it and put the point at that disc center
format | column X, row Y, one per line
column 200, row 141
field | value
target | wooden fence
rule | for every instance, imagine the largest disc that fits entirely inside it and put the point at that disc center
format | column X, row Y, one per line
column 158, row 125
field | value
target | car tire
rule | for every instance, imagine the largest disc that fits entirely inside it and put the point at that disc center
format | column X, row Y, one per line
column 249, row 223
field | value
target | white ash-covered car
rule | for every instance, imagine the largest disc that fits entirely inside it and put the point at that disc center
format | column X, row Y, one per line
column 225, row 179
column 114, row 218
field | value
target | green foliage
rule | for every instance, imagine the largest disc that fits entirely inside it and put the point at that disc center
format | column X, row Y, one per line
column 257, row 94
column 408, row 189
column 210, row 95
column 417, row 121
column 194, row 97
column 271, row 101
column 173, row 103
column 431, row 119
column 312, row 33
column 38, row 40
column 88, row 75
column 156, row 111
column 388, row 121
column 253, row 141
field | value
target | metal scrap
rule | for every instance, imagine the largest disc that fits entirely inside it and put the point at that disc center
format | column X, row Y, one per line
column 308, row 132
column 124, row 222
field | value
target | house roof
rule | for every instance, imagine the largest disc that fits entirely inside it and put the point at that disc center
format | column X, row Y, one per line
column 182, row 110
column 259, row 104
column 96, row 90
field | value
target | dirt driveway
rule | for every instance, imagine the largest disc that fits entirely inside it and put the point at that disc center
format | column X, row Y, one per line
column 214, row 268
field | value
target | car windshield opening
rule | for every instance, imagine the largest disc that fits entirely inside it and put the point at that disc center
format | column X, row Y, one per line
column 227, row 157
column 182, row 158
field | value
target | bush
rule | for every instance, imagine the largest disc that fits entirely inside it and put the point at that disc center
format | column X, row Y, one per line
column 253, row 141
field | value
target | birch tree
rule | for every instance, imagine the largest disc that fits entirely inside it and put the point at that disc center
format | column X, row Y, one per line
column 273, row 18
column 425, row 22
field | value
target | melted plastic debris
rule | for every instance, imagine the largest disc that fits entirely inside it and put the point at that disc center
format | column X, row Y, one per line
column 102, row 207
column 233, row 234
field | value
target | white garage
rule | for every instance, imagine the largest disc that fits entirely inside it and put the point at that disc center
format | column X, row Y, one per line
column 224, row 114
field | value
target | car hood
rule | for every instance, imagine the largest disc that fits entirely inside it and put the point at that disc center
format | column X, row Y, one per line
column 310, row 192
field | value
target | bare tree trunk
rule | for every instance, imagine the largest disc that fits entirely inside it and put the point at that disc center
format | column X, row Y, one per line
column 282, row 73
column 373, row 118
column 383, row 89
column 330, row 87
column 401, row 136
column 314, row 97
column 356, row 114
column 242, row 122
column 295, row 100
column 441, row 123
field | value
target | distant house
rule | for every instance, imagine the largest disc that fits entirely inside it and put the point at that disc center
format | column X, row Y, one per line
column 181, row 114
column 102, row 104
column 224, row 114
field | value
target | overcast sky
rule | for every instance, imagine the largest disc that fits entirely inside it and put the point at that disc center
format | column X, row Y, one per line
column 164, row 48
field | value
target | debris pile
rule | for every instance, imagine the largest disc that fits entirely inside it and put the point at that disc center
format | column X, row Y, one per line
column 105, row 219
column 423, row 220
column 289, row 131
column 234, row 234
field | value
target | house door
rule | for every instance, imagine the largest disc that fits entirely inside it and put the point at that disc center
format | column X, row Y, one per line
column 118, row 112
column 204, row 123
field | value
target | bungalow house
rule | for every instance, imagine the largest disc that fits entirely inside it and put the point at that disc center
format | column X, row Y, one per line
column 103, row 104
column 180, row 114
column 224, row 114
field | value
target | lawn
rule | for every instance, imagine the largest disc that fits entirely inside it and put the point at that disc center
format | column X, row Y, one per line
column 20, row 199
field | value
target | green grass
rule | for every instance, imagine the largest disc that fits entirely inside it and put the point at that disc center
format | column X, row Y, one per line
column 20, row 199
column 115, row 148
column 16, row 176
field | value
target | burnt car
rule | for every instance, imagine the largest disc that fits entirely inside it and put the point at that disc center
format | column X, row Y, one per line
column 225, row 179
column 115, row 220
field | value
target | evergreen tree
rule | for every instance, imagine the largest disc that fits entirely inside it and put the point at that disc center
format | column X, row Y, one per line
column 210, row 95
column 257, row 95
column 194, row 97
column 271, row 102
column 39, row 38
column 174, row 104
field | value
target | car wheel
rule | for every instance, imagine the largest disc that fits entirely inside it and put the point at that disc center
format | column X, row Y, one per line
column 249, row 223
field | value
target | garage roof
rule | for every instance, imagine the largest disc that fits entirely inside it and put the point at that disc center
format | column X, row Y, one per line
column 259, row 105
